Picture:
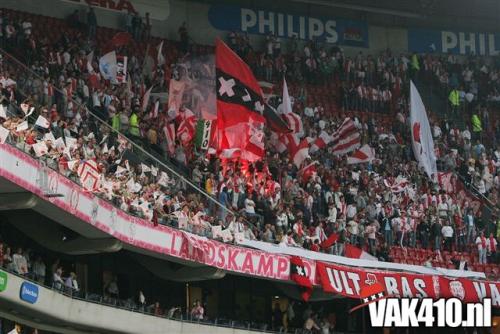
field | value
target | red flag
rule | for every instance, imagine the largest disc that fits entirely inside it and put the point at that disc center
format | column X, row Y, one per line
column 299, row 151
column 120, row 39
column 357, row 253
column 299, row 275
column 346, row 138
column 239, row 106
column 307, row 172
column 361, row 155
column 330, row 241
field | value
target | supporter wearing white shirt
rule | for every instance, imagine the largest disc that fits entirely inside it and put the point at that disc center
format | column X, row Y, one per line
column 443, row 209
column 482, row 244
column 249, row 206
column 351, row 211
column 282, row 220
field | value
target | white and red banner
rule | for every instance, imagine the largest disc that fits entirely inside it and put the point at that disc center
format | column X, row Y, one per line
column 421, row 135
column 362, row 155
column 89, row 175
column 348, row 281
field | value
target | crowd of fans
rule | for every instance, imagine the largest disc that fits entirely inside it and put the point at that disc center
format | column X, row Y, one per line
column 270, row 200
column 25, row 262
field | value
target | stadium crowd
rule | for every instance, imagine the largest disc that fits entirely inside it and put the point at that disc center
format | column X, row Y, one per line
column 374, row 206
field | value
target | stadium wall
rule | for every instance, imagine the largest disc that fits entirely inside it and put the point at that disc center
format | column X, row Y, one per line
column 168, row 15
column 29, row 303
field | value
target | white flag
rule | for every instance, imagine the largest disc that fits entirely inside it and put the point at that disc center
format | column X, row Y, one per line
column 25, row 108
column 105, row 149
column 4, row 133
column 3, row 113
column 71, row 164
column 23, row 126
column 145, row 99
column 120, row 170
column 59, row 143
column 154, row 171
column 159, row 58
column 421, row 135
column 71, row 142
column 107, row 66
column 40, row 148
column 90, row 58
column 145, row 168
column 163, row 179
column 286, row 105
column 49, row 136
column 42, row 122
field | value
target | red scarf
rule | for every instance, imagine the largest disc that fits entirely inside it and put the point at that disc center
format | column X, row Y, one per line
column 483, row 242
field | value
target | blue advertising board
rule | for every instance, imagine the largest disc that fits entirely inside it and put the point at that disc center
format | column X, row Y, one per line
column 453, row 42
column 262, row 22
column 29, row 292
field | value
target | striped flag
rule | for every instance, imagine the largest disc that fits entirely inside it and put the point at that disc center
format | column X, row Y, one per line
column 294, row 123
column 364, row 154
column 321, row 142
column 357, row 253
column 346, row 138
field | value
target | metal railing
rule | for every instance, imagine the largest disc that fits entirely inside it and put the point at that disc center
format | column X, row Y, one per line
column 130, row 306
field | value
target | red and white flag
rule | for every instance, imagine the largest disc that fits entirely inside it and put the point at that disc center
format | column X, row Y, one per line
column 307, row 172
column 299, row 274
column 396, row 185
column 294, row 123
column 42, row 122
column 346, row 138
column 169, row 131
column 362, row 155
column 89, row 175
column 240, row 106
column 298, row 149
column 357, row 253
column 187, row 126
column 321, row 142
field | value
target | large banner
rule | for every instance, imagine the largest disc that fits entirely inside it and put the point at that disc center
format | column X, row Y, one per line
column 454, row 42
column 158, row 10
column 349, row 282
column 195, row 79
column 262, row 22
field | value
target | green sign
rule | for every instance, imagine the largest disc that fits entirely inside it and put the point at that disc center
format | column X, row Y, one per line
column 3, row 280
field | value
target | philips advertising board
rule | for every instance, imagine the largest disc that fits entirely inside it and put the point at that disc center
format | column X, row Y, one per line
column 454, row 42
column 29, row 292
column 262, row 22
